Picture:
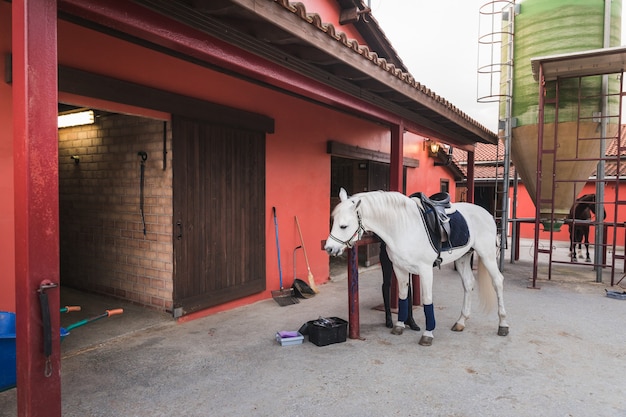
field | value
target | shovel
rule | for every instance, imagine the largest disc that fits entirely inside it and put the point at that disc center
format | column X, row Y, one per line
column 300, row 288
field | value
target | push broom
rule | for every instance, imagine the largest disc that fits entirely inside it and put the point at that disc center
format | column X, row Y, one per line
column 310, row 277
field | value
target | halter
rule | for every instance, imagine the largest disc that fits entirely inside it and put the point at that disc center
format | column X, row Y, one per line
column 358, row 234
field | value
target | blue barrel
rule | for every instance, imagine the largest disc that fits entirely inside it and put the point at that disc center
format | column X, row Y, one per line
column 7, row 351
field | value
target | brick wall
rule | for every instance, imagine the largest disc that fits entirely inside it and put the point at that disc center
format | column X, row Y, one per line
column 103, row 247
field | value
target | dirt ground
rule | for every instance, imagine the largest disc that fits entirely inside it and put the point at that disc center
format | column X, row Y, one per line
column 565, row 356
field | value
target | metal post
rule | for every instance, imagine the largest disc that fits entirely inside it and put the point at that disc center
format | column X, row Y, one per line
column 504, row 223
column 516, row 229
column 540, row 121
column 353, row 293
column 599, row 231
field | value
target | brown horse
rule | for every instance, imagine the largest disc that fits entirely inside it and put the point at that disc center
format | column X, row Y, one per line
column 580, row 216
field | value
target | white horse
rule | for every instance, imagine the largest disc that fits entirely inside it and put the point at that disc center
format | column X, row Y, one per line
column 396, row 219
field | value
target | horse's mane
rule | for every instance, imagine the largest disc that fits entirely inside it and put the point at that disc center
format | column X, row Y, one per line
column 386, row 206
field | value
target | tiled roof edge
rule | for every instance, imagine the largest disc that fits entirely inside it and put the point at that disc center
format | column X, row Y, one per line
column 315, row 19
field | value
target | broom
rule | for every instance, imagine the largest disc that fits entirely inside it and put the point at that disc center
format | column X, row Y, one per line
column 306, row 258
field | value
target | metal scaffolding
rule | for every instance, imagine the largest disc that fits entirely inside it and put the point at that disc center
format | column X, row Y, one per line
column 551, row 72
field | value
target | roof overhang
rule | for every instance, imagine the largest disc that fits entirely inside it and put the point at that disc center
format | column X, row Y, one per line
column 285, row 33
column 580, row 64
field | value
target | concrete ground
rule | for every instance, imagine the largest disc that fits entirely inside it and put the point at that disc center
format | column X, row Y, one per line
column 565, row 356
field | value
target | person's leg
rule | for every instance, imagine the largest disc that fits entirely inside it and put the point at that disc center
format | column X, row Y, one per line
column 387, row 268
column 410, row 321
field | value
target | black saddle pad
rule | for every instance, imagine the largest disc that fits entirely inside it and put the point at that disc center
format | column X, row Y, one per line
column 459, row 232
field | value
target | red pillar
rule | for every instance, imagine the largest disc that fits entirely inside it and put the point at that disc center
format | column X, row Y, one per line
column 396, row 184
column 470, row 177
column 34, row 49
column 397, row 157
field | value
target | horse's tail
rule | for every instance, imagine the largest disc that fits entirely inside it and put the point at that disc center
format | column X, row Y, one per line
column 486, row 292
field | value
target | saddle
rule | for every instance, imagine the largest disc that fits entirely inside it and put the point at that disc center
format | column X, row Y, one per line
column 435, row 210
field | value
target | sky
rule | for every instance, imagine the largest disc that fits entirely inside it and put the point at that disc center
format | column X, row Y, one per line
column 438, row 42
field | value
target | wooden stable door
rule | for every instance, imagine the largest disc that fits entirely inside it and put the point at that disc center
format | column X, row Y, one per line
column 219, row 214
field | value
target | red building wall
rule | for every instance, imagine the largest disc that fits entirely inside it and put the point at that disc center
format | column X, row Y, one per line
column 7, row 236
column 298, row 167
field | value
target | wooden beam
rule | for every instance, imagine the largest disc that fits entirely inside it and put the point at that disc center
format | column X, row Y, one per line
column 357, row 152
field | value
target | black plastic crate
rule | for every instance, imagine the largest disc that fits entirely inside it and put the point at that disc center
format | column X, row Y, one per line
column 332, row 330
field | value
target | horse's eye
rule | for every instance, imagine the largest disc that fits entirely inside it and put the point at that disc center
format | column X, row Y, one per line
column 343, row 227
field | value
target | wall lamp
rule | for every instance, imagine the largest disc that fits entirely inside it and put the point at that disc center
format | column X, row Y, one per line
column 432, row 147
column 76, row 118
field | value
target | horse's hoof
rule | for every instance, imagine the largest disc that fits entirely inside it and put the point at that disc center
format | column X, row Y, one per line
column 412, row 325
column 503, row 331
column 588, row 260
column 397, row 330
column 574, row 259
column 426, row 341
column 458, row 327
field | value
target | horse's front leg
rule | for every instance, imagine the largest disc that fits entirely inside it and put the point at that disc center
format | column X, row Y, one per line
column 403, row 300
column 426, row 281
column 588, row 259
column 464, row 268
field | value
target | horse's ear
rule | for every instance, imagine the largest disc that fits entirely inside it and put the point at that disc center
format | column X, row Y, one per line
column 343, row 194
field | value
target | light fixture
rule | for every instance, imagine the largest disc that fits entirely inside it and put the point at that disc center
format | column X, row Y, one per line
column 432, row 147
column 75, row 118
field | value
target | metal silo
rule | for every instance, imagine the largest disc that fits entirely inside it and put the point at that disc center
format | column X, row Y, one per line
column 546, row 28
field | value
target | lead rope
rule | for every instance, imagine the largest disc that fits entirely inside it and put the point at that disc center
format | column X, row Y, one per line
column 46, row 325
column 144, row 157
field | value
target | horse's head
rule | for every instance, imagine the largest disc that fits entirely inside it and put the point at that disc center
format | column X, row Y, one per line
column 583, row 207
column 347, row 227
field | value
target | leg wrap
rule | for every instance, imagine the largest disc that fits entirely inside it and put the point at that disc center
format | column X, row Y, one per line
column 429, row 312
column 409, row 297
column 403, row 310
